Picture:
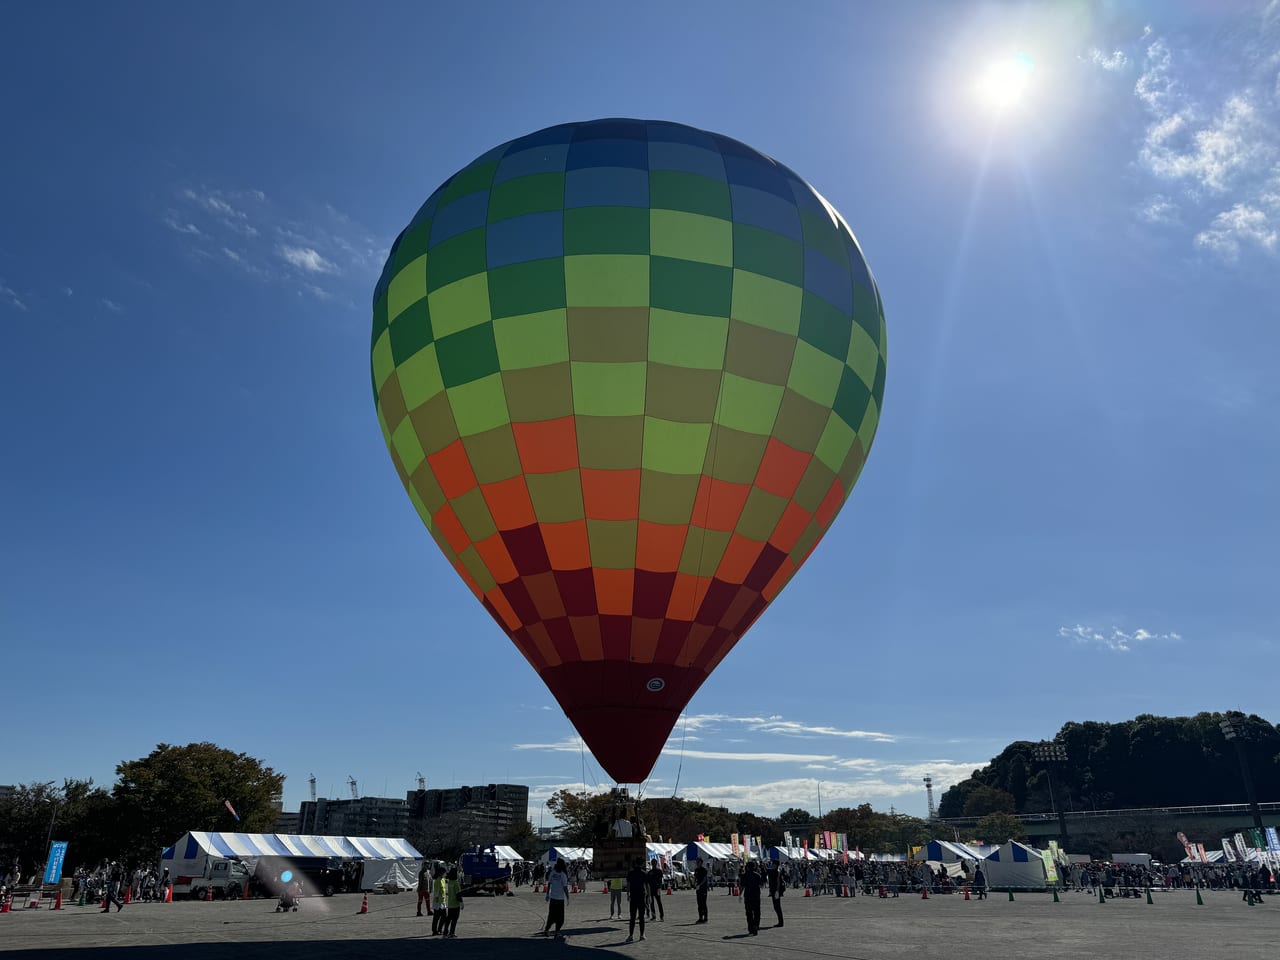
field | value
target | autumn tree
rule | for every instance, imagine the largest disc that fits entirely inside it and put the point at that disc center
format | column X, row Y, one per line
column 579, row 812
column 175, row 789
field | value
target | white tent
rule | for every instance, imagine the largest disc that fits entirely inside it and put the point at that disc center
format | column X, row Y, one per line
column 567, row 853
column 705, row 850
column 671, row 851
column 947, row 851
column 1014, row 865
column 507, row 855
column 791, row 853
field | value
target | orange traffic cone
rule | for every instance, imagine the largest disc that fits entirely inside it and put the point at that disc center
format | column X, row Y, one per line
column 883, row 892
column 668, row 889
column 735, row 891
column 127, row 899
column 57, row 903
column 606, row 889
column 208, row 894
column 4, row 905
column 808, row 891
column 924, row 891
column 966, row 891
column 364, row 906
column 168, row 894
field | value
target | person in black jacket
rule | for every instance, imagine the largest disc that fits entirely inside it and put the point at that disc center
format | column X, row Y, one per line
column 637, row 891
column 701, row 884
column 654, row 877
column 751, row 884
column 776, row 885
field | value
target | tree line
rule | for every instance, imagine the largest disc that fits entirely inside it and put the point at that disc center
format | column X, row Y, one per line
column 154, row 801
column 1148, row 761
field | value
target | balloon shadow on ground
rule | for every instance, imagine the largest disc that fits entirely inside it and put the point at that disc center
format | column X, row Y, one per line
column 471, row 948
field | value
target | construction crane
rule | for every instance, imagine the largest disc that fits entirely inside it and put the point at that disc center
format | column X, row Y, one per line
column 422, row 781
column 355, row 790
column 312, row 780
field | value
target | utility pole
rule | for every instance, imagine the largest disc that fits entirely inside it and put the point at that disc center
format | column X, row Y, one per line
column 1050, row 752
column 1233, row 729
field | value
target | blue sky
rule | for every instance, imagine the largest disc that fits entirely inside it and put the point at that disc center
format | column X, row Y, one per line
column 1069, row 513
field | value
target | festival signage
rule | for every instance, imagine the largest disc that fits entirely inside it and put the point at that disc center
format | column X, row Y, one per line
column 1227, row 850
column 1273, row 841
column 1241, row 846
column 1050, row 868
column 1204, row 857
column 57, row 854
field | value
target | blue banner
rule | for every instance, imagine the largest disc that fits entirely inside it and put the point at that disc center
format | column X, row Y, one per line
column 1273, row 842
column 53, row 866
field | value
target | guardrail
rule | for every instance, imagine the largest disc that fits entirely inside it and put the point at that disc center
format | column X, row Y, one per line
column 1221, row 809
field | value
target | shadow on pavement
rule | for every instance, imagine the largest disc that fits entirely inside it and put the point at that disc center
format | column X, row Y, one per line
column 472, row 948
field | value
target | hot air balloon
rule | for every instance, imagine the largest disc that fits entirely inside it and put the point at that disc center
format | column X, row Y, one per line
column 628, row 372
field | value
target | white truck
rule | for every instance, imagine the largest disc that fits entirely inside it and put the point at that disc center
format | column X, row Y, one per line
column 224, row 878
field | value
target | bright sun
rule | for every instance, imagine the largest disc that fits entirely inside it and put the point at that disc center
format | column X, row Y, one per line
column 1005, row 84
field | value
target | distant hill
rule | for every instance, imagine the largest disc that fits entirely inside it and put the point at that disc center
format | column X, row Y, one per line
column 1148, row 761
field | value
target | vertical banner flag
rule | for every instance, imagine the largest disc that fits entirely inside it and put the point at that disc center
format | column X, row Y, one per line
column 805, row 842
column 760, row 847
column 786, row 841
column 1050, row 868
column 1186, row 845
column 1227, row 851
column 231, row 810
column 1256, row 836
column 1273, row 840
column 1054, row 851
column 733, row 844
column 57, row 854
column 1204, row 857
column 1241, row 847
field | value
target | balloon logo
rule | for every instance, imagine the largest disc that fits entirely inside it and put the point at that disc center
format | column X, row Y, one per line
column 628, row 372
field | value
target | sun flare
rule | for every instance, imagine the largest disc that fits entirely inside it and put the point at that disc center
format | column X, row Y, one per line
column 1005, row 84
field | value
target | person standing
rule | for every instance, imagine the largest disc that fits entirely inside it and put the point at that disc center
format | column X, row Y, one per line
column 115, row 877
column 615, row 897
column 654, row 877
column 751, row 884
column 980, row 883
column 637, row 892
column 424, row 887
column 452, row 902
column 701, row 885
column 776, row 885
column 557, row 897
column 439, row 891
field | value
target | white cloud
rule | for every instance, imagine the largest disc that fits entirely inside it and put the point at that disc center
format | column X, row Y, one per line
column 1115, row 639
column 9, row 297
column 68, row 292
column 306, row 258
column 1116, row 60
column 674, row 750
column 1212, row 140
column 232, row 255
column 1241, row 224
column 1158, row 209
column 111, row 305
column 173, row 223
column 780, row 726
column 1231, row 144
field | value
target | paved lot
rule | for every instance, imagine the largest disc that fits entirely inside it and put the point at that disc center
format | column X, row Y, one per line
column 861, row 929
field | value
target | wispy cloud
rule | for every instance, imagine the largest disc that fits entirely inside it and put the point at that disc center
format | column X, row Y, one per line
column 316, row 252
column 1111, row 62
column 305, row 258
column 780, row 726
column 10, row 298
column 1240, row 225
column 111, row 305
column 1212, row 139
column 1114, row 639
column 734, row 755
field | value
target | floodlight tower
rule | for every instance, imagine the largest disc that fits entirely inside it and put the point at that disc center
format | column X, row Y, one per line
column 312, row 780
column 1049, row 752
column 1233, row 729
column 928, row 790
column 355, row 789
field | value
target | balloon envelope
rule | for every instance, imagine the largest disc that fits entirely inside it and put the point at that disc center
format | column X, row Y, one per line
column 628, row 372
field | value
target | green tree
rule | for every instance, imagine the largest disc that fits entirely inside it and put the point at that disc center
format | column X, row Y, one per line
column 794, row 818
column 999, row 827
column 579, row 812
column 175, row 789
column 984, row 800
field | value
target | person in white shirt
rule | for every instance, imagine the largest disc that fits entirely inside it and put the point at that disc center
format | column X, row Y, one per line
column 557, row 896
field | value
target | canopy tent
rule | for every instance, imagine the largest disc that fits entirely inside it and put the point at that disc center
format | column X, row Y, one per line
column 947, row 851
column 507, row 854
column 1215, row 856
column 1014, row 865
column 791, row 853
column 666, row 851
column 567, row 853
column 889, row 857
column 248, row 845
column 387, row 861
column 706, row 850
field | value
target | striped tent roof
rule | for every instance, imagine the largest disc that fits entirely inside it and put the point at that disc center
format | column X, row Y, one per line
column 290, row 845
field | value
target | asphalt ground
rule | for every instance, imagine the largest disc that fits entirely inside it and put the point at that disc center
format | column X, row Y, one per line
column 864, row 928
